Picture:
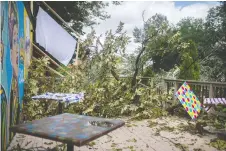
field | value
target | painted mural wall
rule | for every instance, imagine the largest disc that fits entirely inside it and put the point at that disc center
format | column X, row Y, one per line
column 16, row 38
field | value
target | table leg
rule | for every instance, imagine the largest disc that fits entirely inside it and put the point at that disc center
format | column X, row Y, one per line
column 60, row 108
column 70, row 147
column 207, row 108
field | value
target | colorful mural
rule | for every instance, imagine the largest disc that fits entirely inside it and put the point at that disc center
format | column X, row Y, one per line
column 13, row 69
column 28, row 43
column 0, row 66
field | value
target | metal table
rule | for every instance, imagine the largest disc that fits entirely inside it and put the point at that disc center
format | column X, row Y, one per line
column 67, row 98
column 214, row 101
column 68, row 128
column 211, row 103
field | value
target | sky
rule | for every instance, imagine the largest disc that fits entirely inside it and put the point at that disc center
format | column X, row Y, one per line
column 130, row 13
column 186, row 3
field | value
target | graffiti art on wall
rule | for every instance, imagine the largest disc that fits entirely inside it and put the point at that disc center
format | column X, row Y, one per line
column 13, row 37
column 5, row 79
column 0, row 68
column 28, row 41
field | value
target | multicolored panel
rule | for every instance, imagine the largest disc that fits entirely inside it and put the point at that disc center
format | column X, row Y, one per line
column 189, row 100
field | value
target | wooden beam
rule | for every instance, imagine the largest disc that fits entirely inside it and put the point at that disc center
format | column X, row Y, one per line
column 77, row 35
column 51, row 69
column 32, row 7
column 54, row 62
column 45, row 54
column 61, row 19
column 77, row 52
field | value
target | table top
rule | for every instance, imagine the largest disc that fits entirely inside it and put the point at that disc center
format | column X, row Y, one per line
column 214, row 101
column 69, row 128
column 62, row 97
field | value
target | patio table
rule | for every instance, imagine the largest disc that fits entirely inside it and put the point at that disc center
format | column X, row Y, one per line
column 68, row 128
column 210, row 104
column 214, row 101
column 67, row 98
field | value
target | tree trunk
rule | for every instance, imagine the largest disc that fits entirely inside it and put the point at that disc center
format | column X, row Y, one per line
column 136, row 99
column 134, row 78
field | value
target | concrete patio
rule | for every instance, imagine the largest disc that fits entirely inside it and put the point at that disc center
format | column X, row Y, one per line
column 162, row 135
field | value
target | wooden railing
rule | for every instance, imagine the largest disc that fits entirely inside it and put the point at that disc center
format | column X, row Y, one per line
column 201, row 89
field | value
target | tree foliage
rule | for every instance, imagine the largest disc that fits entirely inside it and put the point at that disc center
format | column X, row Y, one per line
column 189, row 67
column 215, row 27
column 168, row 46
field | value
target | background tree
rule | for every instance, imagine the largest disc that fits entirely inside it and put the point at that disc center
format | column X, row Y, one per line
column 189, row 66
column 153, row 28
column 215, row 27
column 194, row 29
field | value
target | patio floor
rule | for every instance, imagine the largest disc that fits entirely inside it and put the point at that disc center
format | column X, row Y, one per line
column 135, row 135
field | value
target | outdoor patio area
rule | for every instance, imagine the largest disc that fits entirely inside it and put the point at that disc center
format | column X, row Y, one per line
column 112, row 75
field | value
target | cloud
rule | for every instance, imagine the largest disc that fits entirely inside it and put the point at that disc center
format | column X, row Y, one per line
column 130, row 13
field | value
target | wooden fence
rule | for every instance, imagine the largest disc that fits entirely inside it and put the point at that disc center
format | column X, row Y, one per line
column 201, row 89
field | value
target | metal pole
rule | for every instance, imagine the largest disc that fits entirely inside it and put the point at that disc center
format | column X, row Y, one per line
column 60, row 107
column 70, row 147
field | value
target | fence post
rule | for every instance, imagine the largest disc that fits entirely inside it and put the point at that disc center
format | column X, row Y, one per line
column 175, row 90
column 167, row 87
column 211, row 95
column 152, row 83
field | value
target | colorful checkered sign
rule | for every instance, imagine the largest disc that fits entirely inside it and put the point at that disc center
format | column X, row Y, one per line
column 189, row 100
